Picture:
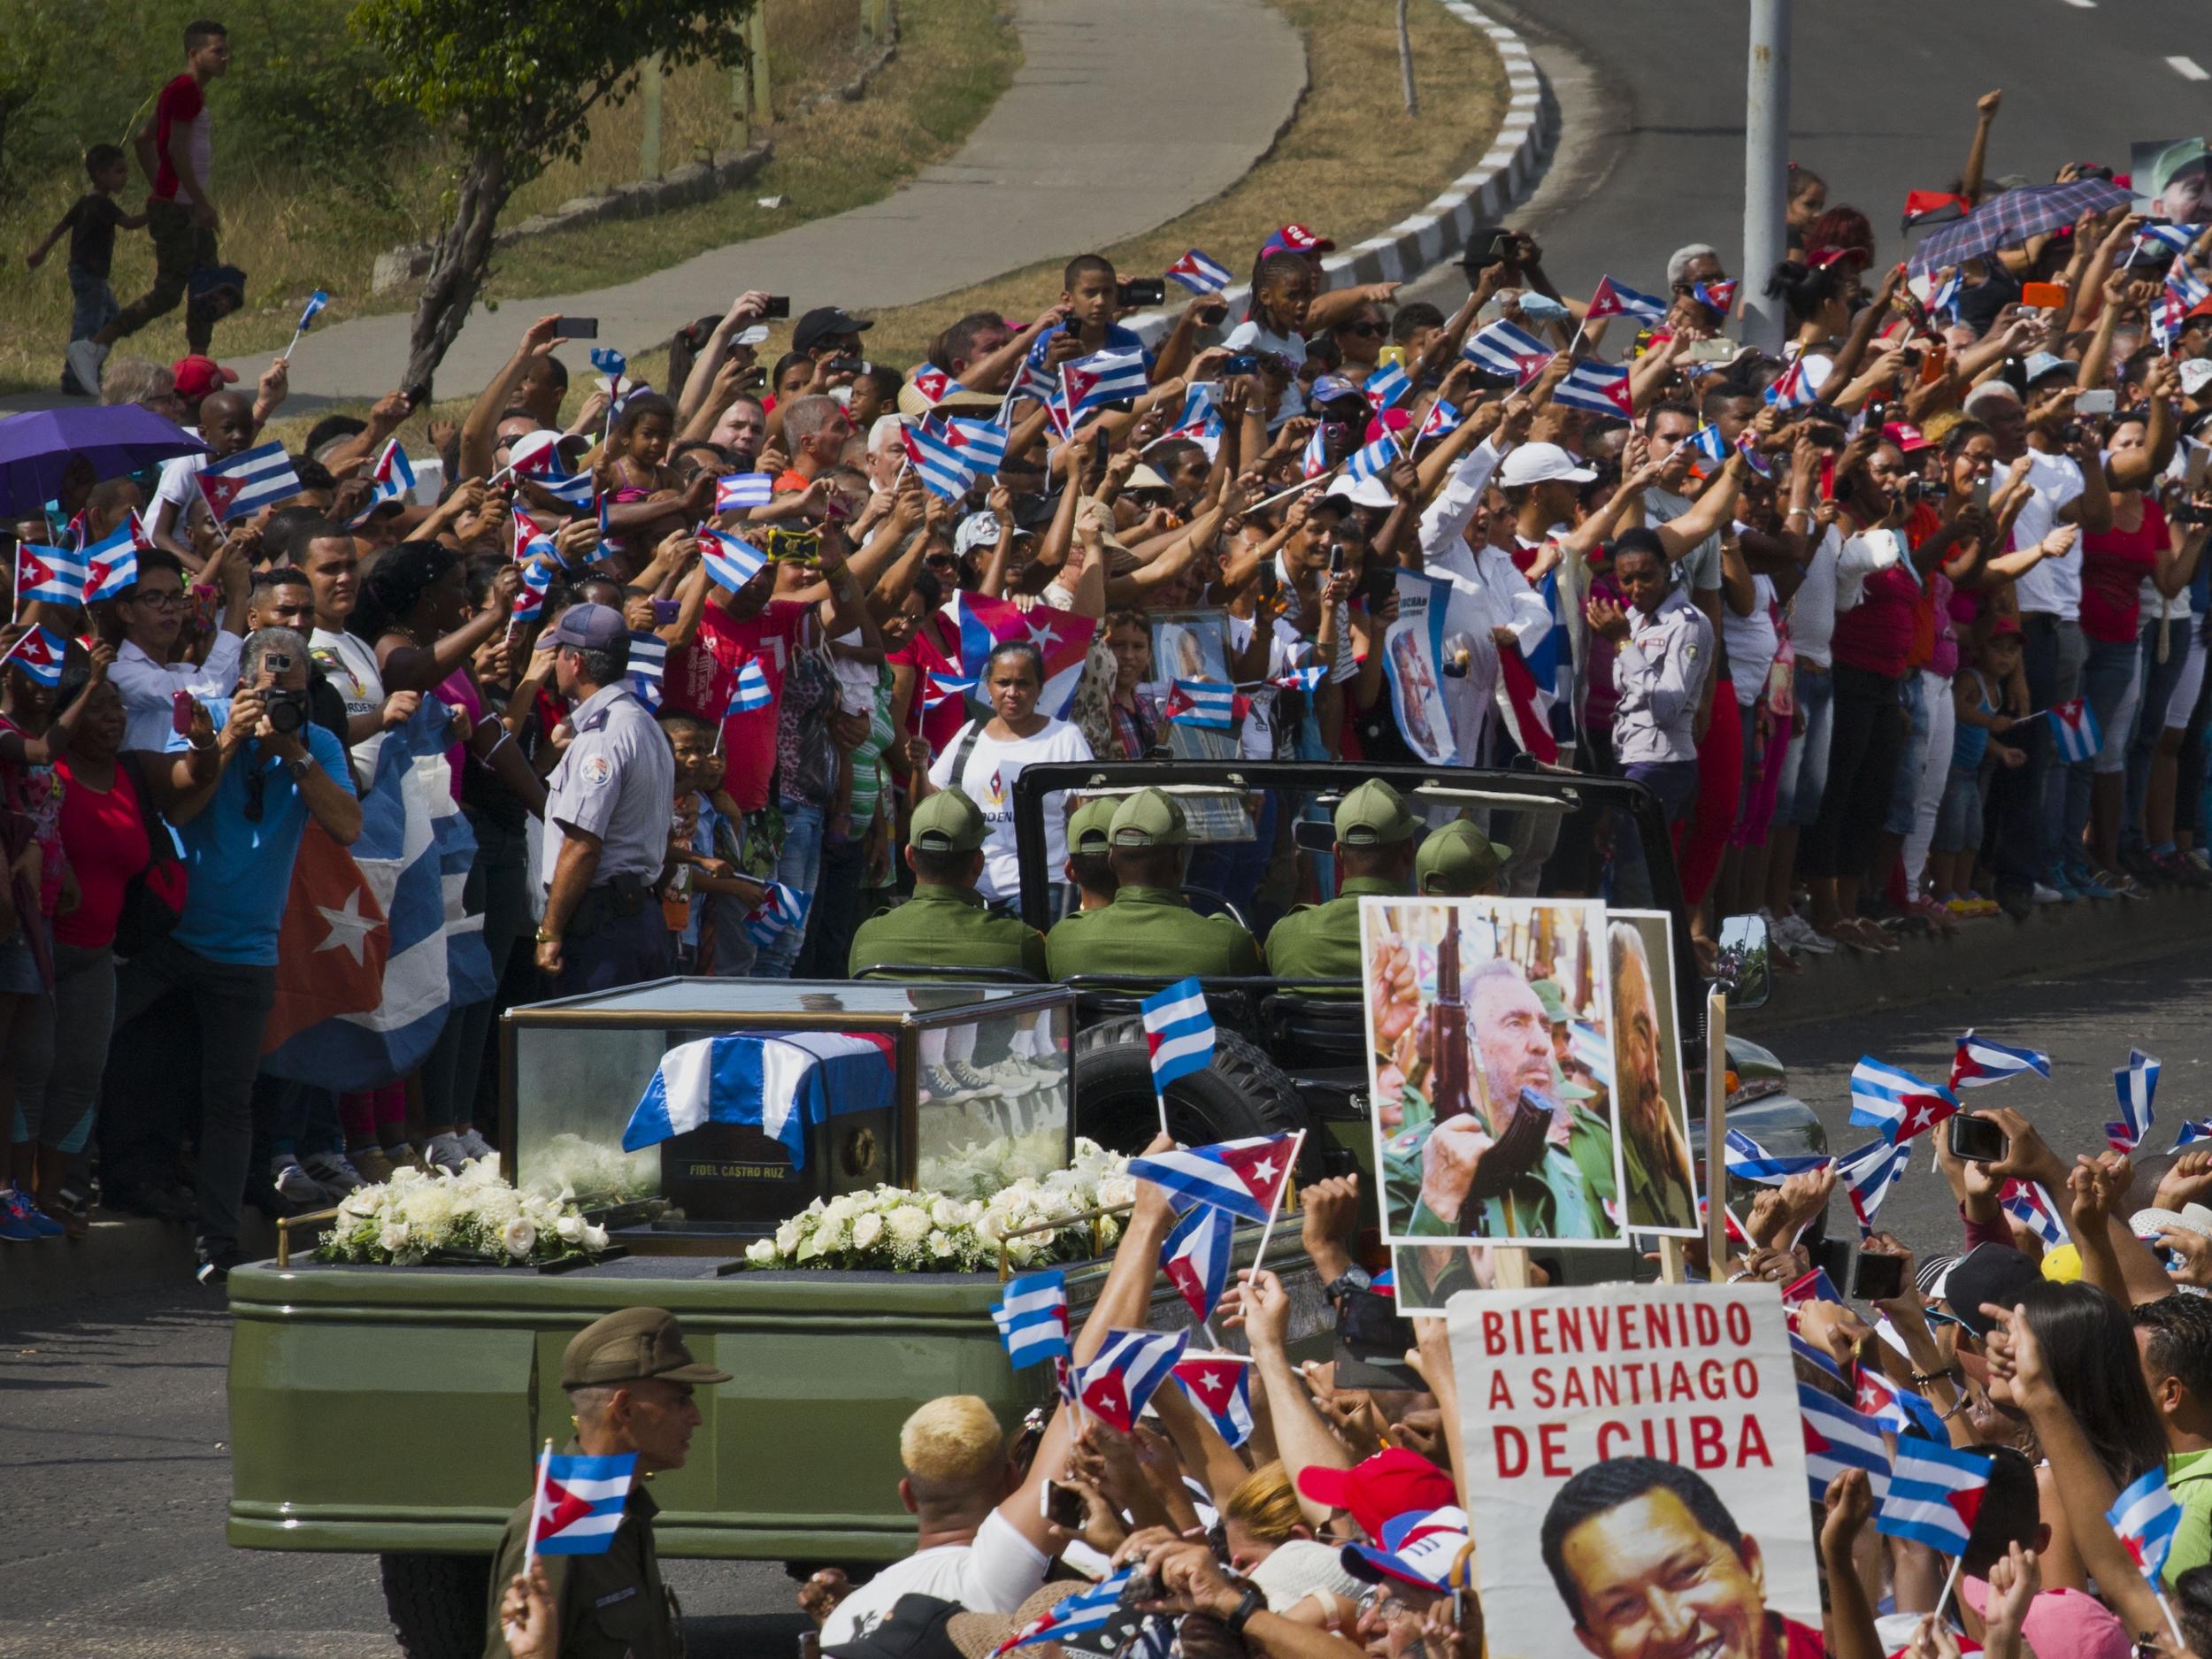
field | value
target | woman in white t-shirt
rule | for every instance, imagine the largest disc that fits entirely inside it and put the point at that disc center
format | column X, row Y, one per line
column 987, row 756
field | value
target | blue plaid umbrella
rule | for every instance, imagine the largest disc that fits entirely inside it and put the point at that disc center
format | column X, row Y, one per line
column 2007, row 221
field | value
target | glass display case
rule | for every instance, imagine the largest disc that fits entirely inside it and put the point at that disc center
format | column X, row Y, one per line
column 825, row 1087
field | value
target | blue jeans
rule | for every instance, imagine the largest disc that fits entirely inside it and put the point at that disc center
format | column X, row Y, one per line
column 1805, row 764
column 1673, row 781
column 2159, row 680
column 799, row 869
column 2105, row 680
column 1904, row 794
column 95, row 306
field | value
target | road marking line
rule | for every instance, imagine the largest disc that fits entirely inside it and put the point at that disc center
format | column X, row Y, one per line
column 2188, row 69
column 2083, row 5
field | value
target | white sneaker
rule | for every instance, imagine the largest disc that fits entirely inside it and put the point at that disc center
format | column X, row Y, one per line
column 2043, row 893
column 295, row 1186
column 445, row 1152
column 86, row 358
column 334, row 1173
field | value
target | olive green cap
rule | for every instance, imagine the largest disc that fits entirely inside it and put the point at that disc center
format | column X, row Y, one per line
column 1090, row 826
column 949, row 822
column 1554, row 997
column 1373, row 815
column 1457, row 859
column 1149, row 818
column 626, row 1346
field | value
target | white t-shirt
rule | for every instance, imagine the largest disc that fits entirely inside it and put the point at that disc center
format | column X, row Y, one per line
column 1813, row 607
column 1752, row 640
column 1254, row 335
column 180, row 485
column 2053, row 584
column 996, row 1574
column 988, row 779
column 348, row 663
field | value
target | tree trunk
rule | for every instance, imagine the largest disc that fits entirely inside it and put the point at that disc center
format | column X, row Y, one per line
column 1405, row 61
column 457, row 268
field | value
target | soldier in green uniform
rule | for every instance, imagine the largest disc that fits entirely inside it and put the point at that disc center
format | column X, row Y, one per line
column 944, row 924
column 1090, row 869
column 1458, row 861
column 1150, row 927
column 629, row 1379
column 1374, row 846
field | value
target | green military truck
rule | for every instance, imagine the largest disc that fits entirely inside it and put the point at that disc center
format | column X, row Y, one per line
column 343, row 1377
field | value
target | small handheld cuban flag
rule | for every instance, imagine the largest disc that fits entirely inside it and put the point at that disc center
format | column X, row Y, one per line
column 751, row 691
column 945, row 687
column 1719, row 297
column 1981, row 1062
column 1087, row 1611
column 1115, row 1386
column 2147, row 1517
column 2026, row 1203
column 1387, row 384
column 1103, row 378
column 51, row 573
column 1031, row 1316
column 1612, row 299
column 1199, row 273
column 1440, row 419
column 1201, row 415
column 1944, row 301
column 1591, row 1051
column 1790, row 390
column 610, row 363
column 740, row 492
column 2187, row 287
column 1708, row 444
column 1935, row 1491
column 1896, row 1102
column 2136, row 1084
column 1243, row 1177
column 1195, row 1257
column 394, row 479
column 1306, row 678
column 240, row 485
column 1196, row 702
column 308, row 314
column 1373, row 460
column 537, row 581
column 1749, row 1161
column 935, row 385
column 532, row 541
column 111, row 563
column 2194, row 1130
column 1868, row 1173
column 2074, row 726
column 1180, row 1032
column 784, row 908
column 938, row 464
column 1838, row 1439
column 39, row 653
column 1314, row 460
column 730, row 560
column 648, row 663
column 579, row 1501
column 1504, row 350
column 1222, row 1385
column 1599, row 387
column 980, row 444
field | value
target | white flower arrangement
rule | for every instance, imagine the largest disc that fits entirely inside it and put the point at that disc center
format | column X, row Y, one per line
column 406, row 1220
column 896, row 1230
column 597, row 1172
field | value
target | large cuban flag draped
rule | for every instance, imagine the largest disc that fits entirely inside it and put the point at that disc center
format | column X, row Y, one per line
column 778, row 1085
column 338, row 1022
column 1061, row 635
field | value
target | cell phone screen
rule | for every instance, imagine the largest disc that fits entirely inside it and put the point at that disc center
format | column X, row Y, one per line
column 778, row 305
column 1976, row 1139
column 1877, row 1278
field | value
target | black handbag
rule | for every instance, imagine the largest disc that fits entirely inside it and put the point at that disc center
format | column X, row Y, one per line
column 153, row 899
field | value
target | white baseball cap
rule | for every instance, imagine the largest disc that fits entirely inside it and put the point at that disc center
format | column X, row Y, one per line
column 1540, row 464
column 1371, row 491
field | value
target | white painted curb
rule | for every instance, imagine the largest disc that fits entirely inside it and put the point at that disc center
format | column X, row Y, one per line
column 1504, row 176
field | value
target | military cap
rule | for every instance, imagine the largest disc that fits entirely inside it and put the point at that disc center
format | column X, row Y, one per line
column 949, row 822
column 1457, row 858
column 1149, row 818
column 632, row 1345
column 1090, row 827
column 1373, row 815
column 1554, row 997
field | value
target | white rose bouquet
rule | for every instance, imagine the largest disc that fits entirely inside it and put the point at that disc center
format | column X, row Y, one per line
column 414, row 1217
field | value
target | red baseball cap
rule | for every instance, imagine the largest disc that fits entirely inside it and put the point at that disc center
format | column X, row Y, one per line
column 197, row 376
column 1392, row 1482
column 1297, row 239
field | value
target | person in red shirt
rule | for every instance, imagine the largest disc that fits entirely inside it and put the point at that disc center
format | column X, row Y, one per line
column 176, row 150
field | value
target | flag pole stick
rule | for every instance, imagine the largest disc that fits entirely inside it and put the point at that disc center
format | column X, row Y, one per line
column 2166, row 1608
column 537, row 1508
column 1297, row 1145
column 1950, row 1584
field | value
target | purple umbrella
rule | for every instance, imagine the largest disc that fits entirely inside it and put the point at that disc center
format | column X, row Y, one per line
column 2008, row 220
column 35, row 448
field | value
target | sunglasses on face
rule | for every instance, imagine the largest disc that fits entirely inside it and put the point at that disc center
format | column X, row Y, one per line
column 1368, row 330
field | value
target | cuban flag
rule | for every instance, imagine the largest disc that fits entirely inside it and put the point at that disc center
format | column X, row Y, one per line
column 784, row 908
column 1061, row 637
column 751, row 691
column 777, row 1085
column 239, row 486
column 1195, row 1257
column 52, row 574
column 2194, row 1130
column 2178, row 238
column 1748, row 1161
column 2136, row 1084
column 1202, row 415
column 1525, row 692
column 1115, row 1386
column 1373, row 460
column 1033, row 383
column 1102, row 377
column 1934, row 1494
column 1945, row 301
column 1709, row 446
column 394, row 479
column 980, row 444
column 1504, row 350
column 1591, row 1051
column 111, row 563
column 1221, row 1384
column 1614, row 300
column 2186, row 287
column 1179, row 1032
column 935, row 385
column 1790, row 389
column 1314, row 460
column 740, row 492
column 313, row 309
column 945, row 687
column 1031, row 1316
column 1243, row 1177
column 1838, row 1439
column 1600, row 387
column 2026, row 1202
column 1199, row 273
column 1981, row 1062
column 1306, row 678
column 537, row 581
column 939, row 464
column 2074, row 726
column 579, row 1503
column 1089, row 1610
column 531, row 540
column 730, row 560
column 1387, row 384
column 1440, row 419
column 39, row 653
column 1719, row 296
column 2167, row 315
column 1896, row 1102
column 647, row 669
column 1196, row 702
column 1868, row 1173
column 1878, row 1398
column 610, row 363
column 2147, row 1517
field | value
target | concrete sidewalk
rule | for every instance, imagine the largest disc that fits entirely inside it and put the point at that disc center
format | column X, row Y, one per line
column 1119, row 118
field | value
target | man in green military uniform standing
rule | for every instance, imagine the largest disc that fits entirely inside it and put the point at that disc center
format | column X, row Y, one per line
column 944, row 924
column 1150, row 927
column 1457, row 861
column 629, row 1379
column 1374, row 847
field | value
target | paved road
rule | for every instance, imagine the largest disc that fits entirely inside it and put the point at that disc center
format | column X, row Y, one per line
column 112, row 1430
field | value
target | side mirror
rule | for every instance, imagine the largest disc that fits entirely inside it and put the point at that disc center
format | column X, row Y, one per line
column 1743, row 970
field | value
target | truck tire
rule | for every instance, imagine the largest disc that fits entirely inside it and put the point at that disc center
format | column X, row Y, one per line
column 1242, row 1093
column 436, row 1603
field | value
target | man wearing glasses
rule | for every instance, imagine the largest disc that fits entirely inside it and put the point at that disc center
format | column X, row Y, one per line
column 153, row 610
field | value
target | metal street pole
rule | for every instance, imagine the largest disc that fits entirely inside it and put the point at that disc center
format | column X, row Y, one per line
column 1765, row 168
